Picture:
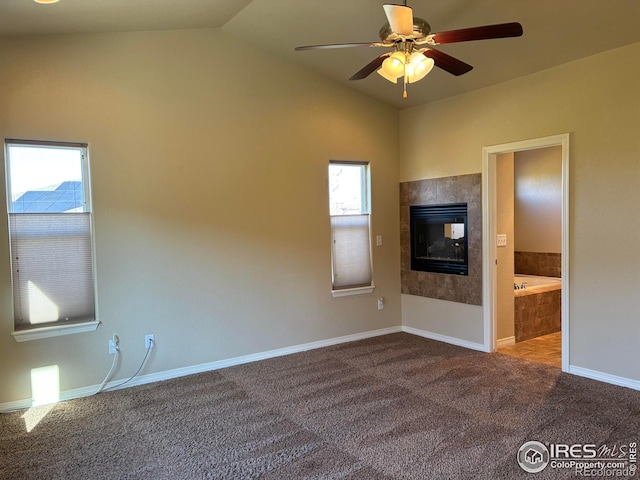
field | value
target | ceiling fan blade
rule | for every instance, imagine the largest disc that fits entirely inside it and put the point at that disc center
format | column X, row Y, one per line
column 400, row 18
column 370, row 67
column 447, row 62
column 338, row 45
column 502, row 30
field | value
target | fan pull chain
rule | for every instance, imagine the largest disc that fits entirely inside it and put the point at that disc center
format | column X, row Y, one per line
column 404, row 77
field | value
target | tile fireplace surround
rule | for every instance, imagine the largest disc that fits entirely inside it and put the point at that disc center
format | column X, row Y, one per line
column 454, row 288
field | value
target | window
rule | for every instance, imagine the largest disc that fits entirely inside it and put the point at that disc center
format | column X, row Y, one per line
column 350, row 230
column 50, row 238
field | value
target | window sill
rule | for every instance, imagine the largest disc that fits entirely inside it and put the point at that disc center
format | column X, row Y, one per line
column 352, row 291
column 54, row 331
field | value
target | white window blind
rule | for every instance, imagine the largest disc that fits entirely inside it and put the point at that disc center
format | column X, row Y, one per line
column 350, row 227
column 351, row 251
column 52, row 268
column 50, row 237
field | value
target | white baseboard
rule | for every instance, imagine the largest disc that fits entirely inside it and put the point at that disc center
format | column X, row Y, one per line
column 604, row 377
column 443, row 338
column 16, row 405
column 505, row 342
column 205, row 367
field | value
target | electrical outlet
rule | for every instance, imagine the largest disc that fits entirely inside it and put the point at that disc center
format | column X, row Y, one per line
column 380, row 303
column 113, row 344
column 149, row 341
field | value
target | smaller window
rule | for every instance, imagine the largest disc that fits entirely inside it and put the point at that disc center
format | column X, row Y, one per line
column 50, row 238
column 350, row 228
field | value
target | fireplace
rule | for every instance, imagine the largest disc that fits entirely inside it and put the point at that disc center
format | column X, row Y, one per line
column 439, row 238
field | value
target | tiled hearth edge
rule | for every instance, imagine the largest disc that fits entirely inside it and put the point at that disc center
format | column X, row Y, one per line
column 454, row 288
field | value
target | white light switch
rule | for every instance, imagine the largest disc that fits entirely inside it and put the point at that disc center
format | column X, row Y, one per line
column 379, row 240
column 501, row 240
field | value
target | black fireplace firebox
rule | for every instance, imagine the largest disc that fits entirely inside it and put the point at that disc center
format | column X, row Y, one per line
column 439, row 238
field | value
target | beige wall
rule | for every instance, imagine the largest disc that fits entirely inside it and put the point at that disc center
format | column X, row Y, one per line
column 209, row 174
column 210, row 195
column 504, row 255
column 597, row 100
column 538, row 200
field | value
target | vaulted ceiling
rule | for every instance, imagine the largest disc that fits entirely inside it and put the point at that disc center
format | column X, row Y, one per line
column 555, row 32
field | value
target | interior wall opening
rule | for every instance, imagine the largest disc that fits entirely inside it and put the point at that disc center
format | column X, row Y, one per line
column 526, row 249
column 529, row 254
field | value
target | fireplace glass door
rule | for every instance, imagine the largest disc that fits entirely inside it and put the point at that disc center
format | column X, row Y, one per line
column 439, row 238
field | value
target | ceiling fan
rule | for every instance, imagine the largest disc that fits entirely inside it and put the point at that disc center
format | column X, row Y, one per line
column 411, row 39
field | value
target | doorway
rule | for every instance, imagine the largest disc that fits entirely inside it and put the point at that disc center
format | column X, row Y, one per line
column 490, row 240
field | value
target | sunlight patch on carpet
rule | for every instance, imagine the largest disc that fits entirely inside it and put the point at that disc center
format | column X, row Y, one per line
column 34, row 415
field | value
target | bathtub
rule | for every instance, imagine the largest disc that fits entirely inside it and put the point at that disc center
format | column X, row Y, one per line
column 538, row 307
column 536, row 284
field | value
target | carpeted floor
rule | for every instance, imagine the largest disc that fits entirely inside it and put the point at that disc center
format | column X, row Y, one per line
column 391, row 407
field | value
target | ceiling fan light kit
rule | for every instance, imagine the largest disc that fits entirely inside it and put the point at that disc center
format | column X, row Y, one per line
column 412, row 41
column 418, row 67
column 393, row 65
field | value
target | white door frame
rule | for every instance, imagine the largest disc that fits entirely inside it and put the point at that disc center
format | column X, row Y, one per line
column 489, row 215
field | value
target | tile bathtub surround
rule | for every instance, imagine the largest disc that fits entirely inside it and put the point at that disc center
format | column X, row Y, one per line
column 454, row 288
column 537, row 314
column 534, row 263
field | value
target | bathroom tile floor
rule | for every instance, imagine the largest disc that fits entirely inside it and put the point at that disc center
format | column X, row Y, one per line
column 545, row 349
